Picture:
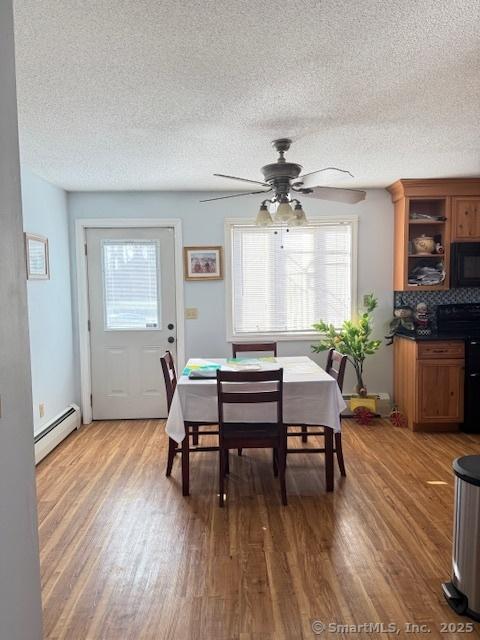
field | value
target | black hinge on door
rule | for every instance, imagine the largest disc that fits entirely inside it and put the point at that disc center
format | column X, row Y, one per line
column 89, row 326
column 85, row 245
column 91, row 400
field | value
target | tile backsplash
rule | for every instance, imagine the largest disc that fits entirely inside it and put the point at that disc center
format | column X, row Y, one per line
column 433, row 298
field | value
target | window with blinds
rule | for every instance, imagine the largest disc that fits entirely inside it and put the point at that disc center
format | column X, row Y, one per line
column 130, row 283
column 283, row 281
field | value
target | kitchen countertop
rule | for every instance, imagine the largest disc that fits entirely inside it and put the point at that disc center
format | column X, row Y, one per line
column 433, row 336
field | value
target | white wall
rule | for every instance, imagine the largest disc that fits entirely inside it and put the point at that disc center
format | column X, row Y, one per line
column 20, row 606
column 204, row 224
column 49, row 301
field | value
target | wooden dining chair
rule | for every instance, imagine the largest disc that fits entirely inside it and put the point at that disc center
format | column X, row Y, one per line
column 254, row 347
column 336, row 363
column 191, row 428
column 335, row 367
column 170, row 378
column 248, row 435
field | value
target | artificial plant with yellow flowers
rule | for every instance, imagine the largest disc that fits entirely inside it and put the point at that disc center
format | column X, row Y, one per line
column 352, row 339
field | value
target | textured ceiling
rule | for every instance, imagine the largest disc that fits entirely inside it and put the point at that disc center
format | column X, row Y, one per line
column 147, row 94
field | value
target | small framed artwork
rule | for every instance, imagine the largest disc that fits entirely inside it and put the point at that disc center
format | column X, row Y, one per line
column 36, row 249
column 203, row 263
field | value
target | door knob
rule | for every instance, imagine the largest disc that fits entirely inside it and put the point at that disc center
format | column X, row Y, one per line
column 171, row 326
column 171, row 339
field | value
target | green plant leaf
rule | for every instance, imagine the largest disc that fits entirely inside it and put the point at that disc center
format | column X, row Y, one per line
column 353, row 337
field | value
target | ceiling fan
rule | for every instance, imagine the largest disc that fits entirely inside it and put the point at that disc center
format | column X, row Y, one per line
column 284, row 179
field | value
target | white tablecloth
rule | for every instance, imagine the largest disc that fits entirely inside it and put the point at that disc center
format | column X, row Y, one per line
column 310, row 396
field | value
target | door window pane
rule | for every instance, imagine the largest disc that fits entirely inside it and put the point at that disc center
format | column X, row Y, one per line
column 130, row 283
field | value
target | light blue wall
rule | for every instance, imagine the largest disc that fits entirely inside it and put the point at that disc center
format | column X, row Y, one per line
column 204, row 224
column 50, row 301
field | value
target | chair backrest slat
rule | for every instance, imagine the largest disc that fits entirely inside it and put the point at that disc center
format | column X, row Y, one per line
column 250, row 397
column 235, row 391
column 249, row 376
column 253, row 347
column 169, row 376
column 336, row 363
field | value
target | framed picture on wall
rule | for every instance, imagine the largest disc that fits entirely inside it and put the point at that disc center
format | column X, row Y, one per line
column 36, row 250
column 203, row 263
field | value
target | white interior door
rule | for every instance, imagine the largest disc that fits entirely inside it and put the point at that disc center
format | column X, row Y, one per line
column 131, row 285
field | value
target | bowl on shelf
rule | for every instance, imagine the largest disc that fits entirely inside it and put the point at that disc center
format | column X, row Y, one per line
column 423, row 245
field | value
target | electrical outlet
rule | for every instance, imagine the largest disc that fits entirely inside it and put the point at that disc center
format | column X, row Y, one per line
column 41, row 409
column 191, row 313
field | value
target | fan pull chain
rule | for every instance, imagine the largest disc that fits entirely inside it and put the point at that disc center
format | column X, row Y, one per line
column 281, row 236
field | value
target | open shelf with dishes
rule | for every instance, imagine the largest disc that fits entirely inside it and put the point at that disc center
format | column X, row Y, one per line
column 422, row 236
column 426, row 246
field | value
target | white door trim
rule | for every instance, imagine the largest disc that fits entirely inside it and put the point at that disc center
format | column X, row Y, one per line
column 82, row 293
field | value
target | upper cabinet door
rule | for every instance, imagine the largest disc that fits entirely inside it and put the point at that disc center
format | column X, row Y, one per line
column 466, row 219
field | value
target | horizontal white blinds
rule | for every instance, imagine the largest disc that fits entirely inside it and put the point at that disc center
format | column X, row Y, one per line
column 130, row 279
column 285, row 281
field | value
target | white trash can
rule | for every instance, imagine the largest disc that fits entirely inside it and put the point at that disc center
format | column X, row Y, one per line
column 463, row 592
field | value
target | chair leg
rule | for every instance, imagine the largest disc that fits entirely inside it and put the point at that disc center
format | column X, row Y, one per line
column 195, row 436
column 274, row 462
column 240, row 452
column 304, row 433
column 186, row 466
column 227, row 462
column 339, row 450
column 221, row 476
column 282, row 464
column 172, row 446
column 329, row 479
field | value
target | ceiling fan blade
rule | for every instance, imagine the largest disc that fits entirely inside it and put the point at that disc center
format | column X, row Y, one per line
column 310, row 179
column 236, row 195
column 349, row 196
column 222, row 175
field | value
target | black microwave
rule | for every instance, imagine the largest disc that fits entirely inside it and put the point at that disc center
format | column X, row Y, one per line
column 465, row 264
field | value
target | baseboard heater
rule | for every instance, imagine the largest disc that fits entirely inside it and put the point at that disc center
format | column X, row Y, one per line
column 55, row 431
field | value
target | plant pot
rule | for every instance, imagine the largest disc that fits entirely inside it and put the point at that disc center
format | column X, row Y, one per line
column 370, row 402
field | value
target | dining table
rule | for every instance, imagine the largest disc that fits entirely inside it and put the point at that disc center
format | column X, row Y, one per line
column 310, row 397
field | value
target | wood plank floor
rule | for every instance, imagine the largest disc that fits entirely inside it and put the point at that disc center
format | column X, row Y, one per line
column 125, row 556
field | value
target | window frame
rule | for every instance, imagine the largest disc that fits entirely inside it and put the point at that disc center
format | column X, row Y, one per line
column 230, row 223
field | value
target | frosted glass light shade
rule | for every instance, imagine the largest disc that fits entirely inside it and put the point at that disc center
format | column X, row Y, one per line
column 264, row 219
column 284, row 212
column 299, row 218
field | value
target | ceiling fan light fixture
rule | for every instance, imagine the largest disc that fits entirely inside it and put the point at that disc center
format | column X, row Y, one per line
column 264, row 219
column 299, row 218
column 284, row 212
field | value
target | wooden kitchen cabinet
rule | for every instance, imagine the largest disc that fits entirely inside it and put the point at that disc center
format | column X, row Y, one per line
column 429, row 383
column 466, row 219
column 446, row 210
column 440, row 391
column 453, row 349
